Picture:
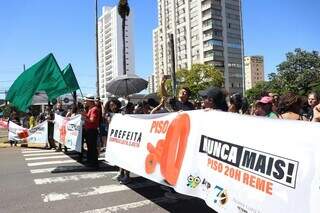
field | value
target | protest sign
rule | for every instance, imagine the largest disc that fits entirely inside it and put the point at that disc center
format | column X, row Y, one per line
column 35, row 135
column 68, row 131
column 235, row 163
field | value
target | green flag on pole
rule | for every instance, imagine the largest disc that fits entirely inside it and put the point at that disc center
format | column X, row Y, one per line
column 42, row 76
column 70, row 78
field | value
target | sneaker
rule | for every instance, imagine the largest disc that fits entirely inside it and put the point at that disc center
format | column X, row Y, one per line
column 118, row 177
column 125, row 180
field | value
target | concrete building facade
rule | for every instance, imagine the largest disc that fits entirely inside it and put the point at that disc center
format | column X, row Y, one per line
column 110, row 47
column 205, row 31
column 254, row 70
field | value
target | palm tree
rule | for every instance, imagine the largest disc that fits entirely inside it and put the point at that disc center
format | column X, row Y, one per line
column 124, row 10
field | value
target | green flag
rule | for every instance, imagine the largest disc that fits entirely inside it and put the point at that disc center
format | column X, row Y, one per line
column 70, row 78
column 42, row 76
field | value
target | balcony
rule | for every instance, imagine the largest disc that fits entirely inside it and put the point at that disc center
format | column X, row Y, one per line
column 207, row 37
column 206, row 27
column 205, row 7
column 206, row 17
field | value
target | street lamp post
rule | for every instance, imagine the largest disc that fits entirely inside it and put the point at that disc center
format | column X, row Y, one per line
column 173, row 63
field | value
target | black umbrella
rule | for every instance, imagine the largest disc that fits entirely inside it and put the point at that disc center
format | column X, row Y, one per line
column 126, row 85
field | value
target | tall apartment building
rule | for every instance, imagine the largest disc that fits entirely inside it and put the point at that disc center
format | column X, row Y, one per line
column 254, row 70
column 151, row 86
column 205, row 31
column 110, row 47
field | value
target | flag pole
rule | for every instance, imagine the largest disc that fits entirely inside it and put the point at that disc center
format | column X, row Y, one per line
column 97, row 56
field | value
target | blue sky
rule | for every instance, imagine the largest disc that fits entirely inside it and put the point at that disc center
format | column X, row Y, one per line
column 31, row 29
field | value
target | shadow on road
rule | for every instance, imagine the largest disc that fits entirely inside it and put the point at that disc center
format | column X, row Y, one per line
column 168, row 199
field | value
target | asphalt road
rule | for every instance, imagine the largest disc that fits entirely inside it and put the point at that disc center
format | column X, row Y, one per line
column 37, row 180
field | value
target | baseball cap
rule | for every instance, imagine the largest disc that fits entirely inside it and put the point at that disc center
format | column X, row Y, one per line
column 265, row 100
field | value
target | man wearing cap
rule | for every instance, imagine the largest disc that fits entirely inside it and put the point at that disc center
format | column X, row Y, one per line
column 91, row 124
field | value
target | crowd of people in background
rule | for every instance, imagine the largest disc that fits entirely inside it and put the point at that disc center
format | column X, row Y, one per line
column 97, row 115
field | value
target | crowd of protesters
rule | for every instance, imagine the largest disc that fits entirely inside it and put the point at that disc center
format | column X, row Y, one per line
column 97, row 115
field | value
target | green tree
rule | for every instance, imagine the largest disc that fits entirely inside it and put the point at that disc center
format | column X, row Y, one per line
column 199, row 77
column 124, row 11
column 257, row 91
column 298, row 73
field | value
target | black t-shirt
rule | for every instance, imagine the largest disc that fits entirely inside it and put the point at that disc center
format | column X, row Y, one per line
column 184, row 106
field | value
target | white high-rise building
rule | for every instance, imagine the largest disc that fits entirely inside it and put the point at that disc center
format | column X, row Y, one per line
column 110, row 47
column 205, row 31
column 151, row 86
column 254, row 70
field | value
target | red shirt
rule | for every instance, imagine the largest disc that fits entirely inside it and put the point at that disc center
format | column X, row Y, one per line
column 93, row 114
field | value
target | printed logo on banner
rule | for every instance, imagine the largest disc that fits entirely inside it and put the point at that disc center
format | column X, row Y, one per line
column 37, row 130
column 125, row 137
column 23, row 134
column 221, row 196
column 73, row 127
column 193, row 181
column 206, row 184
column 247, row 165
column 169, row 152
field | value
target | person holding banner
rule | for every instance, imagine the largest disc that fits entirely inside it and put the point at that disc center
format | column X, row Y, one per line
column 313, row 100
column 60, row 111
column 49, row 116
column 184, row 95
column 316, row 113
column 15, row 119
column 112, row 107
column 91, row 124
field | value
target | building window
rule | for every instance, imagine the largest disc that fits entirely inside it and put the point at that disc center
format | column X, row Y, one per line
column 234, row 45
column 213, row 42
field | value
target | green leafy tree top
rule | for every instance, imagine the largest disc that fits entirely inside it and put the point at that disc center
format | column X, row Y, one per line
column 123, row 9
column 298, row 72
column 199, row 77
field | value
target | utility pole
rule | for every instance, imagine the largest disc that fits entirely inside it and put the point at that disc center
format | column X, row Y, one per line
column 24, row 67
column 97, row 48
column 173, row 63
column 5, row 97
column 242, row 52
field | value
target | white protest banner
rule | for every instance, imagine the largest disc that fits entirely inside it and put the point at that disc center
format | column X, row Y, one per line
column 235, row 163
column 38, row 134
column 3, row 124
column 68, row 131
column 35, row 135
column 17, row 133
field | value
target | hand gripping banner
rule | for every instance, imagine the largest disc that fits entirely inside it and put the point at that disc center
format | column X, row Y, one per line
column 68, row 131
column 235, row 163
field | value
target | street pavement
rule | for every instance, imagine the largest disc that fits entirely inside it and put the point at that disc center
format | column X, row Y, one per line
column 39, row 180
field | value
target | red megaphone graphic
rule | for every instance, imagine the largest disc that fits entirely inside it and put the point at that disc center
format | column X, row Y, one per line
column 169, row 152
